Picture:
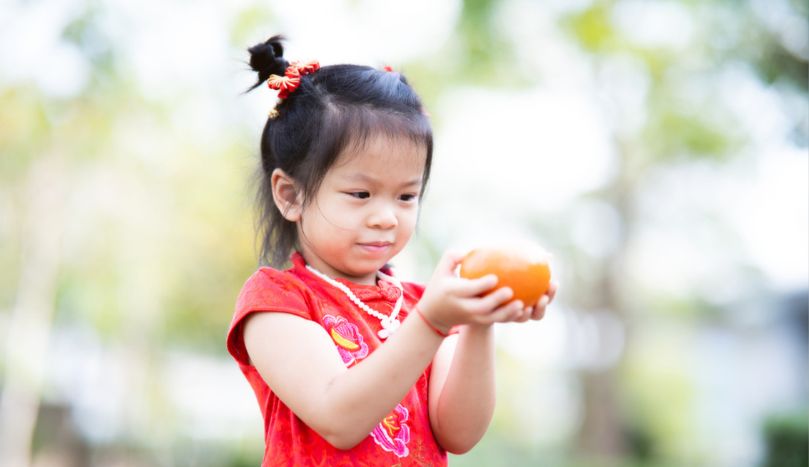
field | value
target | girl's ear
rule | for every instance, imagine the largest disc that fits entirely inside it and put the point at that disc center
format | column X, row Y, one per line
column 285, row 195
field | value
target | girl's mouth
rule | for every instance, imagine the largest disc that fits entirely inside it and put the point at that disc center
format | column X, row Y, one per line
column 376, row 247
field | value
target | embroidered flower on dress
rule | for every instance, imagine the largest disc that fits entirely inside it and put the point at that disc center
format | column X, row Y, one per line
column 347, row 337
column 392, row 434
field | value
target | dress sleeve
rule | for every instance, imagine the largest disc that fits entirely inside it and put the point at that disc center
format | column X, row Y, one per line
column 267, row 290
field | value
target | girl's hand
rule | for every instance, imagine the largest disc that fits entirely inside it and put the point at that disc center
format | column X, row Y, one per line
column 450, row 300
column 537, row 312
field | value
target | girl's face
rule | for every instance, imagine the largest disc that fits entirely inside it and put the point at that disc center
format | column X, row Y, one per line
column 365, row 210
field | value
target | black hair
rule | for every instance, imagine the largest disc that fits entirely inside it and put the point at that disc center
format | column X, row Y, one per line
column 333, row 108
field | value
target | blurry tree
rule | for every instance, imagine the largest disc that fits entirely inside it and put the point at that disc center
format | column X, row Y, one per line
column 115, row 230
column 677, row 130
column 45, row 142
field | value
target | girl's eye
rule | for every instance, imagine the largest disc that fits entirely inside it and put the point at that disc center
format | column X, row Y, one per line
column 408, row 197
column 359, row 194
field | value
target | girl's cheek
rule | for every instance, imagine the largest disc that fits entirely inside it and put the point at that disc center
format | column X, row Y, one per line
column 410, row 219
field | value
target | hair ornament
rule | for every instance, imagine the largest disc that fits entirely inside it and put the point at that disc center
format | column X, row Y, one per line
column 388, row 68
column 292, row 77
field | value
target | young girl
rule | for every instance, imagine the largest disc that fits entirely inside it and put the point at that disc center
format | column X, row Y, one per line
column 351, row 366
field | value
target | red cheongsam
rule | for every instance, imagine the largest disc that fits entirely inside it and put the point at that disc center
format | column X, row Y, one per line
column 402, row 438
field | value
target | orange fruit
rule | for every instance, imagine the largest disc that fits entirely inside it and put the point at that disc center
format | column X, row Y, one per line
column 528, row 276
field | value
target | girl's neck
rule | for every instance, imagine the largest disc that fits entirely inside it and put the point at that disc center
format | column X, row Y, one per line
column 324, row 268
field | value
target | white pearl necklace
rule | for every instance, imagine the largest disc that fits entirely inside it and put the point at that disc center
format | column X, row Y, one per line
column 389, row 323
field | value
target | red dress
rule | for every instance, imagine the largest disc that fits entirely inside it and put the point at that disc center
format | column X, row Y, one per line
column 402, row 438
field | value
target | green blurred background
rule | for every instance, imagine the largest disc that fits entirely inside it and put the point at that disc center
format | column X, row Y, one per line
column 657, row 148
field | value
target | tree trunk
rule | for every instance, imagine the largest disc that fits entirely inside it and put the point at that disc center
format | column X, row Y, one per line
column 32, row 314
column 603, row 433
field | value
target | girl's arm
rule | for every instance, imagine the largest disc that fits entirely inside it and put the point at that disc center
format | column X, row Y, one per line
column 462, row 388
column 462, row 383
column 297, row 358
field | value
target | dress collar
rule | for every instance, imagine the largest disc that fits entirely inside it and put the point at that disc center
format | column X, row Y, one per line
column 383, row 290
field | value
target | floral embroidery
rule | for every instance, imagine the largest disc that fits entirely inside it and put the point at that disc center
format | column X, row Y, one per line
column 347, row 337
column 392, row 434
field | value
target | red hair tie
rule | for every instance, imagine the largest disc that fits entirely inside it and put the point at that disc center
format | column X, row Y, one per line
column 292, row 77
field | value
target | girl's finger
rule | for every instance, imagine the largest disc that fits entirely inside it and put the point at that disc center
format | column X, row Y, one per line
column 539, row 310
column 495, row 298
column 475, row 287
column 448, row 262
column 505, row 313
column 524, row 315
column 487, row 304
column 538, row 314
column 552, row 288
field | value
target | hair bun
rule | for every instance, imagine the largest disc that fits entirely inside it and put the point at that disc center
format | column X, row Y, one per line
column 267, row 58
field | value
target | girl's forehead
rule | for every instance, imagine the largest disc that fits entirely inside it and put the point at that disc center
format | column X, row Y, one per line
column 382, row 151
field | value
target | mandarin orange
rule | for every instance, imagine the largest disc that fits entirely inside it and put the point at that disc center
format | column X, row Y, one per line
column 528, row 277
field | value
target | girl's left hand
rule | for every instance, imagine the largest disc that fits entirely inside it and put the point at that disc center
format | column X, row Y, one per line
column 537, row 312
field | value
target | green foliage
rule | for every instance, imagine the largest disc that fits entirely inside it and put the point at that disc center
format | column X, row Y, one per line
column 86, row 33
column 593, row 29
column 483, row 51
column 787, row 440
column 24, row 126
column 658, row 395
column 674, row 133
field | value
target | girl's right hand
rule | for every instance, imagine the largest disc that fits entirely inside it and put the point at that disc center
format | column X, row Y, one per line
column 450, row 300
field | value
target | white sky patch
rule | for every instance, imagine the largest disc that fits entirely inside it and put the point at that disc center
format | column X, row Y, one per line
column 67, row 71
column 173, row 47
column 596, row 227
column 654, row 24
column 703, row 225
column 624, row 83
column 756, row 106
column 34, row 51
column 519, row 152
column 541, row 50
column 773, row 215
column 559, row 7
column 366, row 32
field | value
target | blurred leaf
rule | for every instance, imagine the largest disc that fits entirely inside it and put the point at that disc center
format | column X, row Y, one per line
column 592, row 28
column 675, row 133
column 483, row 51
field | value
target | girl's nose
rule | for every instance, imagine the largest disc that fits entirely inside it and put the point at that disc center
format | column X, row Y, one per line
column 383, row 217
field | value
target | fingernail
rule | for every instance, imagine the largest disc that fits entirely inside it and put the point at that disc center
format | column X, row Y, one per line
column 543, row 302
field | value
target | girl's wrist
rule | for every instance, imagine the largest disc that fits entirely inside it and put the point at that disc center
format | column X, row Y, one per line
column 436, row 328
column 475, row 328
